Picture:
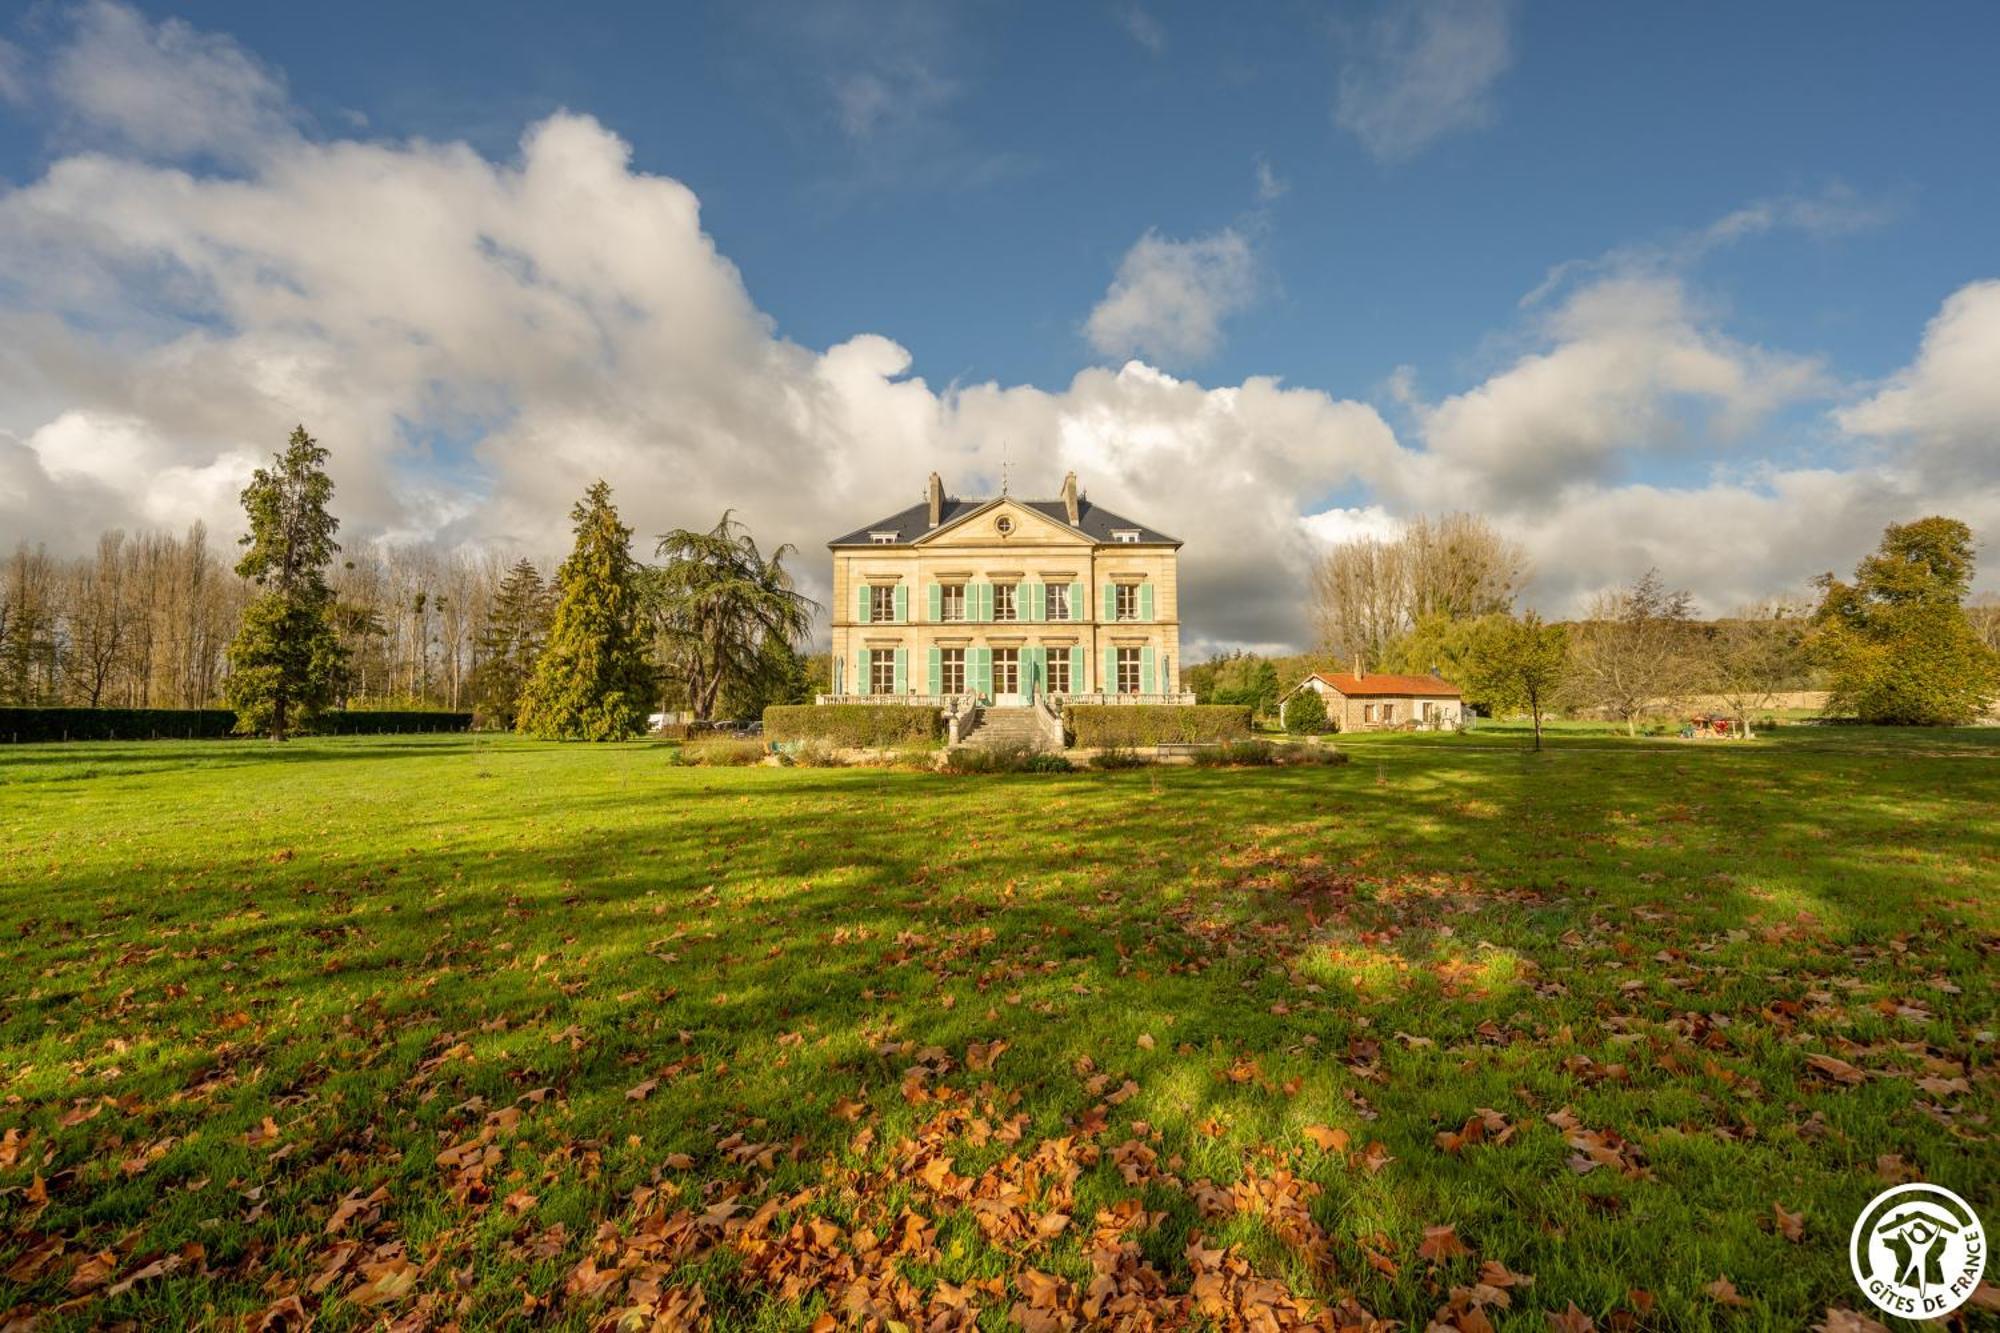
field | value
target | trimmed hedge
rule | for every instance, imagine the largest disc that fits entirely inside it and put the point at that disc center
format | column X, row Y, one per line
column 115, row 724
column 180, row 724
column 1096, row 726
column 854, row 726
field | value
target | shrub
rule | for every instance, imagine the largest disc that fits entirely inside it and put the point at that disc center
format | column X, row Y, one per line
column 1103, row 726
column 1119, row 756
column 816, row 754
column 854, row 726
column 1305, row 713
column 1310, row 754
column 721, row 752
column 1004, row 759
column 1237, row 754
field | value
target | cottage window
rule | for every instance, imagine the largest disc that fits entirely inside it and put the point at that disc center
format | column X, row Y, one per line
column 1128, row 670
column 1058, row 670
column 1388, row 712
column 1056, row 601
column 881, row 603
column 951, row 602
column 951, row 670
column 1368, row 712
column 1003, row 602
column 1125, row 604
column 881, row 672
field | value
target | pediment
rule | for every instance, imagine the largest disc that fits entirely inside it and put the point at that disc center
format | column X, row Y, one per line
column 1022, row 526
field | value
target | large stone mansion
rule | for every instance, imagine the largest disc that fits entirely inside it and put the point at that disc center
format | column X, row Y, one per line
column 1014, row 601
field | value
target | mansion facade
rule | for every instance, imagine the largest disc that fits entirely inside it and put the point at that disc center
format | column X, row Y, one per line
column 1013, row 601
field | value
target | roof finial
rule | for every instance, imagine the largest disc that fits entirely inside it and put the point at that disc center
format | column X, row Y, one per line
column 1003, row 467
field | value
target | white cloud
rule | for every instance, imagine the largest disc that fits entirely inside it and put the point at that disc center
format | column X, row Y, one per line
column 1143, row 28
column 1943, row 410
column 1270, row 185
column 1170, row 297
column 13, row 74
column 476, row 340
column 1421, row 70
column 166, row 88
column 1335, row 527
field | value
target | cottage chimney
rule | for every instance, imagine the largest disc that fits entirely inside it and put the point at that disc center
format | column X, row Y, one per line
column 935, row 489
column 1357, row 666
column 1069, row 499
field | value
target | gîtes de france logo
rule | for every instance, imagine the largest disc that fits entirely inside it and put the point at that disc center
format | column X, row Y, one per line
column 1918, row 1251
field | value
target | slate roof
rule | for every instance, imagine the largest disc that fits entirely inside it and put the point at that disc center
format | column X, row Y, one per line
column 1094, row 521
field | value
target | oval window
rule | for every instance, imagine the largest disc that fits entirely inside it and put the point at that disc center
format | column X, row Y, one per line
column 1004, row 524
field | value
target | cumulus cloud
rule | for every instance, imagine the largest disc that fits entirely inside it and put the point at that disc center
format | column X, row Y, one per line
column 166, row 88
column 1943, row 410
column 1170, row 297
column 1422, row 70
column 476, row 340
column 1143, row 28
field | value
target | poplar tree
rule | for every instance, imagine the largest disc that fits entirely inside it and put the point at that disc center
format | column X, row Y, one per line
column 285, row 662
column 591, row 681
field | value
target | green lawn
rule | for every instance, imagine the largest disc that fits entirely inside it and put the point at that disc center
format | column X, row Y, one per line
column 482, row 1030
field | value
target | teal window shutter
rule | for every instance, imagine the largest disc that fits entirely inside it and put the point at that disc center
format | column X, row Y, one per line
column 1032, row 593
column 903, row 605
column 1076, row 668
column 936, row 597
column 934, row 660
column 1147, row 684
column 986, row 601
column 862, row 682
column 1108, row 682
column 861, row 604
column 1107, row 609
column 902, row 669
column 1145, row 601
column 982, row 672
column 1076, row 604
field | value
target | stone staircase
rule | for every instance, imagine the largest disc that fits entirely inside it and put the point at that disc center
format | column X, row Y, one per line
column 1006, row 729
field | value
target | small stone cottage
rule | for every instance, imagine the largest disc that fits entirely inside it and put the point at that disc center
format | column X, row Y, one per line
column 1384, row 702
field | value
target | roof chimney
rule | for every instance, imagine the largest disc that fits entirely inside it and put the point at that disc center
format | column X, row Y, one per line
column 936, row 491
column 1069, row 498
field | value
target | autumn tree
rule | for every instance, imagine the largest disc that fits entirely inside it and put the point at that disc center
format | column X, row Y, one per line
column 511, row 642
column 285, row 660
column 718, row 607
column 1896, row 642
column 591, row 681
column 1367, row 594
column 1632, row 653
column 1441, row 644
column 1521, row 665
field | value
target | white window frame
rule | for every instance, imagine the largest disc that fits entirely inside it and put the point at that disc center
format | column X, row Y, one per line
column 951, row 670
column 1125, row 601
column 1058, row 665
column 882, row 538
column 1003, row 658
column 951, row 602
column 882, row 671
column 1130, row 535
column 1055, row 601
column 881, row 604
column 1127, row 658
column 1006, row 606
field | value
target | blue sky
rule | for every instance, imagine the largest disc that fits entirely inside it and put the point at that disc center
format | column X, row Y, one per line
column 1432, row 211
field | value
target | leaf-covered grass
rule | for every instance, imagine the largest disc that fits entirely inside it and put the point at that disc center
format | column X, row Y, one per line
column 511, row 1034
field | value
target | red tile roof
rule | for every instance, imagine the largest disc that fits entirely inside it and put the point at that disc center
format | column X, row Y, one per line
column 1360, row 686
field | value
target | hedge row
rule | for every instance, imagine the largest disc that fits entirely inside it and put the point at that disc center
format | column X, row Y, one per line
column 853, row 726
column 156, row 724
column 1095, row 726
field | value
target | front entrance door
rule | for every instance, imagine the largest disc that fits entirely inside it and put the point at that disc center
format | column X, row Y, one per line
column 1007, row 678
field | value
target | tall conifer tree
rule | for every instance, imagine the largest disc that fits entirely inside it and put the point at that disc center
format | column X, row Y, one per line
column 591, row 681
column 512, row 641
column 284, row 665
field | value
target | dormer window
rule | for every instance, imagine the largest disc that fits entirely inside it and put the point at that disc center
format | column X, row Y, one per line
column 1125, row 534
column 882, row 538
